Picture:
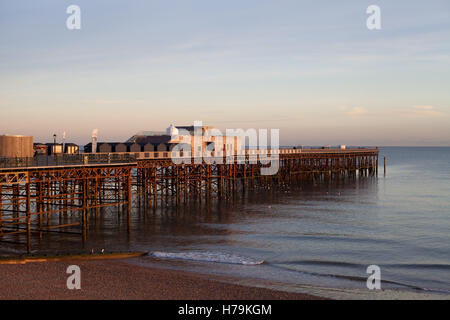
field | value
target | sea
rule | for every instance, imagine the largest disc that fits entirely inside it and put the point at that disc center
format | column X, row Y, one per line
column 317, row 238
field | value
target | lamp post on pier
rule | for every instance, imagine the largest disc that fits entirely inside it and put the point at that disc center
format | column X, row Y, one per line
column 54, row 146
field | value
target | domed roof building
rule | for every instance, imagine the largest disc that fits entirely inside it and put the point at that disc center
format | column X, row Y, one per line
column 172, row 131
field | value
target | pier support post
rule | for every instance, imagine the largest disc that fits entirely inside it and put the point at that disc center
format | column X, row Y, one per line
column 28, row 218
column 1, row 213
column 84, row 211
column 129, row 199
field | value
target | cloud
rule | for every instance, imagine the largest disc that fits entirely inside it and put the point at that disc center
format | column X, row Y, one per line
column 113, row 102
column 423, row 107
column 191, row 44
column 424, row 111
column 356, row 112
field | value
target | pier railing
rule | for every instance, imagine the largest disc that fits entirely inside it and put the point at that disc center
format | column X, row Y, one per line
column 162, row 155
column 131, row 157
column 67, row 159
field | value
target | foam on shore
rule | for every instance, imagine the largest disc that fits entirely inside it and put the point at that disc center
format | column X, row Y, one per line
column 207, row 256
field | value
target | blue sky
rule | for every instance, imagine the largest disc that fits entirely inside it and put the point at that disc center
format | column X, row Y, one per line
column 309, row 68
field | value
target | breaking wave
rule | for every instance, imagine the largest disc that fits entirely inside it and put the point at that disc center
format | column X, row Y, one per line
column 207, row 256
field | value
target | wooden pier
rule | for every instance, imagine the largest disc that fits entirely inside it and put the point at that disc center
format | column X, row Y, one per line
column 35, row 199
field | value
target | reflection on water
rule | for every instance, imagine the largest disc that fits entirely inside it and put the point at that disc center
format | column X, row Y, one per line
column 323, row 234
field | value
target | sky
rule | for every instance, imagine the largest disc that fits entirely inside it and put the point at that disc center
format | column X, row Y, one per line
column 311, row 69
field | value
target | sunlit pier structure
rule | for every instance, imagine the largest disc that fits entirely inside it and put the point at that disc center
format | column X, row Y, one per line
column 63, row 193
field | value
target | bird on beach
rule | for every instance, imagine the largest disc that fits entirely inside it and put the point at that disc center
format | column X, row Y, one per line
column 103, row 251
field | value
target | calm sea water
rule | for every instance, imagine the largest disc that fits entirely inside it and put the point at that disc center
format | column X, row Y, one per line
column 316, row 234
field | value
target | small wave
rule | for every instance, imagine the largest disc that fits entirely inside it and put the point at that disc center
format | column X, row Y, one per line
column 443, row 267
column 320, row 263
column 362, row 279
column 207, row 256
